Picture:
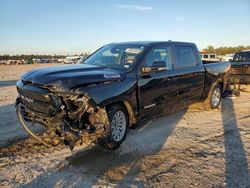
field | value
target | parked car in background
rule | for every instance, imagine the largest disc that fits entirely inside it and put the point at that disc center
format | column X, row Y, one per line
column 36, row 60
column 240, row 68
column 15, row 62
column 3, row 62
column 46, row 60
column 71, row 59
column 116, row 87
column 60, row 60
column 228, row 57
column 209, row 58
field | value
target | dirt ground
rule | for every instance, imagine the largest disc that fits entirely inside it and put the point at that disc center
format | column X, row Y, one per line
column 189, row 148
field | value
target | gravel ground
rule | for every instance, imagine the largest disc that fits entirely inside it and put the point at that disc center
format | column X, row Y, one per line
column 189, row 148
column 10, row 129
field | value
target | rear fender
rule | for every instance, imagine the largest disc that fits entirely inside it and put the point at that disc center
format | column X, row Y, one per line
column 216, row 73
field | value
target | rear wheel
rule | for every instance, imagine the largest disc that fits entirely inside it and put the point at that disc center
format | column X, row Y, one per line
column 118, row 122
column 214, row 97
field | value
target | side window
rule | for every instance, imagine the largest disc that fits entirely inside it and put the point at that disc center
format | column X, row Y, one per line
column 236, row 57
column 184, row 57
column 205, row 56
column 109, row 57
column 159, row 54
column 242, row 56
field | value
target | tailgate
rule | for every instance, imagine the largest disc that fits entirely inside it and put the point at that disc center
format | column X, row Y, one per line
column 240, row 69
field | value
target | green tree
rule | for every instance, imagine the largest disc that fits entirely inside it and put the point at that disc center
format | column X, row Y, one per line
column 210, row 49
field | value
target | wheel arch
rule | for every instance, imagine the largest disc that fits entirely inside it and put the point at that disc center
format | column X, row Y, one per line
column 218, row 81
column 131, row 115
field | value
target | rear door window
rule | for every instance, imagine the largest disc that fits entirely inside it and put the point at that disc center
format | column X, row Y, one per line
column 243, row 56
column 184, row 57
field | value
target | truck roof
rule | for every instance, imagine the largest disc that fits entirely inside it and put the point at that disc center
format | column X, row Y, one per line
column 248, row 50
column 148, row 43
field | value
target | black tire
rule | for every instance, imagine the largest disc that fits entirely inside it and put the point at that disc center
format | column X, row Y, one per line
column 209, row 102
column 109, row 142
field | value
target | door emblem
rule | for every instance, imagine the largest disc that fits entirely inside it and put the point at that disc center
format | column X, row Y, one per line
column 149, row 106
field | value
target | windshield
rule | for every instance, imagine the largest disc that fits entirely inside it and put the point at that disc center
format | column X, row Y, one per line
column 243, row 56
column 115, row 56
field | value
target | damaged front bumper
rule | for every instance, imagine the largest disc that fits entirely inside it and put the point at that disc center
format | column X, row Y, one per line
column 70, row 114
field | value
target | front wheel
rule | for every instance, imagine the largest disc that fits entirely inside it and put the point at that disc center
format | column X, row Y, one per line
column 118, row 122
column 214, row 97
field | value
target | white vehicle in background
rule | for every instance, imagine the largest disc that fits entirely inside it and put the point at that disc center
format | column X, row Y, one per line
column 15, row 62
column 209, row 58
column 71, row 59
column 36, row 60
column 61, row 60
column 3, row 62
column 228, row 57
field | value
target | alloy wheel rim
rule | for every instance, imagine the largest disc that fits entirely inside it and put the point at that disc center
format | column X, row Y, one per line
column 216, row 97
column 118, row 126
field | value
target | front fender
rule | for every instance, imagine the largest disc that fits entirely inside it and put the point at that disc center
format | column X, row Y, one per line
column 106, row 93
column 124, row 92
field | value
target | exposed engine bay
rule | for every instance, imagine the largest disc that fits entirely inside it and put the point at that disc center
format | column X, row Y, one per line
column 72, row 116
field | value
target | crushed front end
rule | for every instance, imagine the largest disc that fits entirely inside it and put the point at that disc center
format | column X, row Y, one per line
column 70, row 114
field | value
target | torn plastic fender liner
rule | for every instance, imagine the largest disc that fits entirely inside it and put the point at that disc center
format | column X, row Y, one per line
column 100, row 120
column 97, row 119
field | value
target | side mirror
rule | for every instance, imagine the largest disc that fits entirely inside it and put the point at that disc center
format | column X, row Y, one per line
column 156, row 66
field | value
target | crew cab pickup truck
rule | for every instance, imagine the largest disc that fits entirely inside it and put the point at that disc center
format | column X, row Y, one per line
column 240, row 68
column 117, row 86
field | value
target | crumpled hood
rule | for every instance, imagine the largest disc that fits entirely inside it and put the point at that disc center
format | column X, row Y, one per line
column 70, row 76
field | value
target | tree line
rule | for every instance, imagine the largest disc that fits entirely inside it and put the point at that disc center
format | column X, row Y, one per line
column 209, row 49
column 224, row 50
column 30, row 57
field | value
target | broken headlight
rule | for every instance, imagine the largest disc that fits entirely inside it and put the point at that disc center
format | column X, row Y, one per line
column 57, row 86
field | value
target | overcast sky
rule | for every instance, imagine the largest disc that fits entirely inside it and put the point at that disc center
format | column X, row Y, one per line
column 69, row 27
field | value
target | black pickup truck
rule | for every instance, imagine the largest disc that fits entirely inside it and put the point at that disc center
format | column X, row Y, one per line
column 117, row 86
column 240, row 68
